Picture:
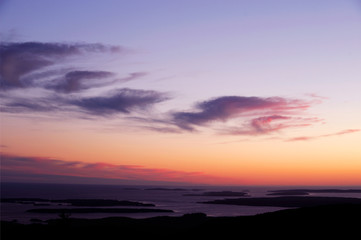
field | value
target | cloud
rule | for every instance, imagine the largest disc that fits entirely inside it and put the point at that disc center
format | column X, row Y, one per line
column 37, row 72
column 34, row 78
column 235, row 115
column 263, row 124
column 347, row 131
column 34, row 102
column 14, row 167
column 303, row 138
column 120, row 101
column 269, row 124
column 260, row 125
column 133, row 76
column 223, row 109
column 18, row 60
column 75, row 81
column 307, row 138
column 17, row 105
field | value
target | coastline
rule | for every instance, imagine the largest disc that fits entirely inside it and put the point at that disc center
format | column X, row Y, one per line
column 18, row 199
column 326, row 220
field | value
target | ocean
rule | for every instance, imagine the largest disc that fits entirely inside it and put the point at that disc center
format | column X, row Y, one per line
column 180, row 199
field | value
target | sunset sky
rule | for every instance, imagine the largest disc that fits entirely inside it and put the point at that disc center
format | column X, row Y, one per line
column 229, row 92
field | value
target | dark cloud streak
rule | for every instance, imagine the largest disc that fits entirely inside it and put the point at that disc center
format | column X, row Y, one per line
column 28, row 105
column 41, row 66
column 121, row 101
column 25, row 65
column 225, row 108
column 75, row 81
column 20, row 59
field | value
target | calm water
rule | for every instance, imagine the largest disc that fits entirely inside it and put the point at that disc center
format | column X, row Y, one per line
column 168, row 197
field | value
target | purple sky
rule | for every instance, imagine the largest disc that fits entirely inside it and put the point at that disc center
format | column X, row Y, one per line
column 249, row 74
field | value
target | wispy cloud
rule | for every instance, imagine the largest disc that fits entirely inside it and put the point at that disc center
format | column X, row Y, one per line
column 120, row 101
column 75, row 81
column 256, row 115
column 20, row 60
column 36, row 72
column 307, row 138
column 17, row 104
column 133, row 76
column 54, row 89
column 270, row 124
column 79, row 80
column 15, row 166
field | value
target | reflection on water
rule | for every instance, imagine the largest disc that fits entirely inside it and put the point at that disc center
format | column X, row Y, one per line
column 181, row 200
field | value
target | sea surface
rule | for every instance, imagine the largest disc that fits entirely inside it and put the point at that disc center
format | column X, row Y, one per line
column 163, row 197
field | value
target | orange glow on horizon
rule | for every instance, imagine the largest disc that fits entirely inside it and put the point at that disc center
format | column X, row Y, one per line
column 255, row 162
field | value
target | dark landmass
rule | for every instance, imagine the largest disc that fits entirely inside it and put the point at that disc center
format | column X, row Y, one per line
column 76, row 202
column 166, row 189
column 103, row 202
column 97, row 210
column 221, row 194
column 131, row 188
column 172, row 189
column 291, row 201
column 24, row 200
column 289, row 193
column 303, row 192
column 336, row 221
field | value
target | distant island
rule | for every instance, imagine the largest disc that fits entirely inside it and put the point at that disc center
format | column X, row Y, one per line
column 170, row 189
column 76, row 202
column 220, row 194
column 304, row 192
column 99, row 210
column 336, row 221
column 289, row 201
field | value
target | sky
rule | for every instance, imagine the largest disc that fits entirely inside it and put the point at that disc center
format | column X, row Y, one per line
column 235, row 92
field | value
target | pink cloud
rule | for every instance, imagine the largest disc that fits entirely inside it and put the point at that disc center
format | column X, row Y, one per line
column 347, row 131
column 15, row 167
column 269, row 124
column 263, row 124
column 304, row 138
column 222, row 109
column 307, row 138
